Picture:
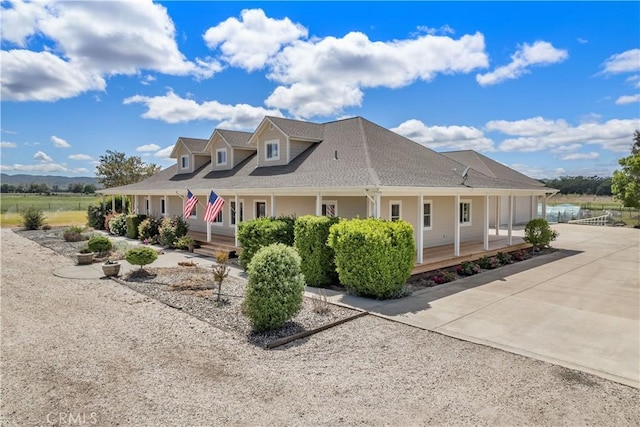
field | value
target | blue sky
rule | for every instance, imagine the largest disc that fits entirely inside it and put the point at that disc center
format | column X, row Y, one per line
column 548, row 88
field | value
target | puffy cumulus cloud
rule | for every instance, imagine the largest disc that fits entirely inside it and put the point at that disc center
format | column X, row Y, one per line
column 171, row 108
column 164, row 153
column 634, row 81
column 89, row 44
column 80, row 170
column 581, row 156
column 148, row 147
column 319, row 77
column 450, row 137
column 42, row 167
column 613, row 135
column 59, row 142
column 42, row 76
column 538, row 172
column 628, row 99
column 42, row 157
column 250, row 41
column 625, row 62
column 7, row 144
column 538, row 54
column 80, row 157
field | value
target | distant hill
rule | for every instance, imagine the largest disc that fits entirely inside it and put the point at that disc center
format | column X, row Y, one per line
column 50, row 180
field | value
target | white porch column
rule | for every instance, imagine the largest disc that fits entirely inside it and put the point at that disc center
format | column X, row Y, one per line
column 318, row 204
column 510, row 226
column 124, row 203
column 544, row 206
column 166, row 206
column 456, row 229
column 534, row 207
column 237, row 215
column 420, row 228
column 135, row 204
column 485, row 232
column 273, row 206
column 378, row 208
column 498, row 213
column 113, row 203
column 150, row 207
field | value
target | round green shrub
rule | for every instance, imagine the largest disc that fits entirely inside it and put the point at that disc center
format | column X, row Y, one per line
column 373, row 257
column 100, row 244
column 260, row 232
column 275, row 288
column 118, row 225
column 32, row 218
column 149, row 229
column 539, row 233
column 311, row 234
column 141, row 256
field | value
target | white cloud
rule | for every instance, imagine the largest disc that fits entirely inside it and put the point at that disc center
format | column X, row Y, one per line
column 628, row 99
column 171, row 108
column 614, row 135
column 539, row 53
column 89, row 45
column 625, row 62
column 445, row 29
column 147, row 79
column 634, row 81
column 11, row 132
column 80, row 157
column 42, row 167
column 80, row 170
column 450, row 137
column 582, row 41
column 537, row 172
column 581, row 156
column 59, row 142
column 42, row 157
column 165, row 153
column 148, row 147
column 7, row 144
column 566, row 148
column 319, row 77
column 250, row 42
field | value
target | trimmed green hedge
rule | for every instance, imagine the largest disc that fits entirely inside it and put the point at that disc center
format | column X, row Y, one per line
column 260, row 232
column 311, row 234
column 133, row 222
column 373, row 257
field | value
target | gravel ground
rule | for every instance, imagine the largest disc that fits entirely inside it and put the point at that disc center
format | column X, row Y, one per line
column 99, row 352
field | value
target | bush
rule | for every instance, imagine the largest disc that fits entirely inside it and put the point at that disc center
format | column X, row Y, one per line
column 171, row 229
column 468, row 269
column 184, row 242
column 141, row 256
column 133, row 221
column 100, row 244
column 149, row 229
column 73, row 234
column 521, row 255
column 488, row 263
column 318, row 264
column 275, row 288
column 96, row 217
column 373, row 257
column 260, row 232
column 443, row 276
column 46, row 227
column 539, row 233
column 118, row 225
column 504, row 258
column 32, row 218
column 107, row 220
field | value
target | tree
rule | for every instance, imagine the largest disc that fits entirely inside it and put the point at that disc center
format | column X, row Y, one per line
column 625, row 184
column 116, row 169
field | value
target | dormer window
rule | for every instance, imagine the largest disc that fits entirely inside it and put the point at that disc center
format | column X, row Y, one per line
column 272, row 150
column 184, row 161
column 221, row 157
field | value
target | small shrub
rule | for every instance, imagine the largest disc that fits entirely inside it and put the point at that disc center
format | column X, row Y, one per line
column 32, row 218
column 107, row 220
column 468, row 269
column 275, row 288
column 488, row 263
column 443, row 276
column 504, row 258
column 538, row 233
column 171, row 229
column 149, row 229
column 141, row 256
column 133, row 221
column 521, row 255
column 100, row 244
column 220, row 271
column 261, row 232
column 320, row 303
column 46, row 227
column 184, row 242
column 118, row 225
column 96, row 217
column 318, row 264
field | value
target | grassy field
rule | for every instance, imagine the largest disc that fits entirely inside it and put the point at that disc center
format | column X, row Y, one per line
column 598, row 205
column 59, row 209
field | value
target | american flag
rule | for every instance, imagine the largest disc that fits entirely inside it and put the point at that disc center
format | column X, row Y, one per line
column 214, row 206
column 191, row 203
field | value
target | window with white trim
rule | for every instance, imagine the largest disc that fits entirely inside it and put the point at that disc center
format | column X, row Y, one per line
column 163, row 207
column 221, row 157
column 427, row 215
column 465, row 212
column 272, row 150
column 184, row 161
column 261, row 209
column 232, row 211
column 395, row 210
column 330, row 208
column 218, row 219
column 194, row 212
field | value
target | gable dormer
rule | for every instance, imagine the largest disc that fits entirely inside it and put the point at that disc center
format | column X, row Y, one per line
column 190, row 154
column 227, row 148
column 278, row 141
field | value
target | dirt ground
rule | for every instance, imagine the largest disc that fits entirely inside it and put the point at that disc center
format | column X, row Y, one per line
column 93, row 352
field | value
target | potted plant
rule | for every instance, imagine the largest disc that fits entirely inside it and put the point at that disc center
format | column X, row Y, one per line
column 111, row 268
column 85, row 256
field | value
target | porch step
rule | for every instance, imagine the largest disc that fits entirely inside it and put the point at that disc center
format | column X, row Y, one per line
column 209, row 249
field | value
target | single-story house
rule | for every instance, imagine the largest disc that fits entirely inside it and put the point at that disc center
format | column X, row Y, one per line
column 348, row 168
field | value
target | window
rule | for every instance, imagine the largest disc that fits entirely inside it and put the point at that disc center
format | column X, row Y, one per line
column 465, row 212
column 232, row 212
column 330, row 208
column 147, row 204
column 194, row 212
column 218, row 219
column 162, row 207
column 273, row 150
column 184, row 161
column 261, row 209
column 426, row 215
column 221, row 156
column 395, row 211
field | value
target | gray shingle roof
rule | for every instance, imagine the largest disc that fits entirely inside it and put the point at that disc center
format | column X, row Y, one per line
column 298, row 128
column 235, row 138
column 194, row 145
column 353, row 153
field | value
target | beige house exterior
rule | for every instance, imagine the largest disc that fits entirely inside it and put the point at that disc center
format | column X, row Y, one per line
column 348, row 168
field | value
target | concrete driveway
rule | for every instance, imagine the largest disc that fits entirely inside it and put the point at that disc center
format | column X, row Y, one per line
column 578, row 307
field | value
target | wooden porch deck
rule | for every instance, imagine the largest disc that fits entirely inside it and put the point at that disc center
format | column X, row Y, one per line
column 442, row 256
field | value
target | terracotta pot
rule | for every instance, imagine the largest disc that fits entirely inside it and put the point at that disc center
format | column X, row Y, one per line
column 85, row 259
column 111, row 269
